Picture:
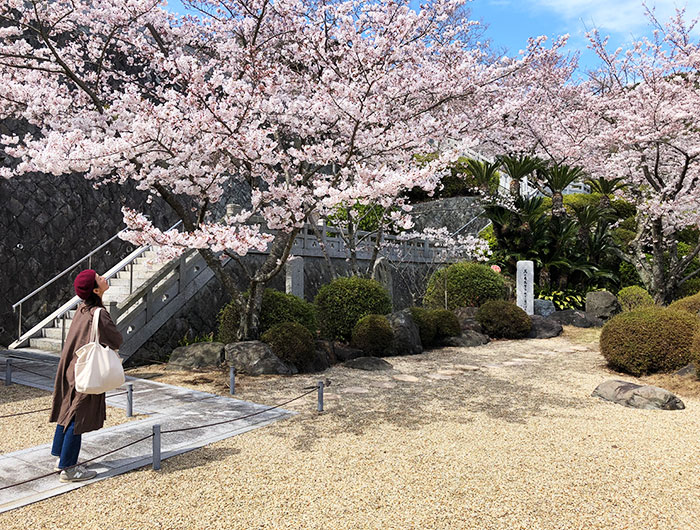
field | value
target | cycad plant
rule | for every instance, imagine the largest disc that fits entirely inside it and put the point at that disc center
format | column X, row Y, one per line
column 557, row 178
column 606, row 187
column 483, row 173
column 517, row 168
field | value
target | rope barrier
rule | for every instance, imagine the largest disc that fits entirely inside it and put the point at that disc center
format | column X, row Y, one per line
column 82, row 463
column 24, row 413
column 313, row 389
column 14, row 366
column 239, row 417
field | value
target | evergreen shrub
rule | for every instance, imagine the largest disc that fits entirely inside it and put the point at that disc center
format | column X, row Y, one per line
column 373, row 335
column 689, row 303
column 634, row 297
column 689, row 288
column 648, row 340
column 503, row 320
column 426, row 320
column 447, row 324
column 291, row 342
column 467, row 285
column 344, row 301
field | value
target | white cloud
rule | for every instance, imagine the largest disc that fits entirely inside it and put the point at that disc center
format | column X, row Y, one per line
column 618, row 16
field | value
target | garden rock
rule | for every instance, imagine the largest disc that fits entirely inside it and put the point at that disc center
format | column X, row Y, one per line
column 467, row 322
column 574, row 317
column 544, row 328
column 406, row 334
column 320, row 362
column 197, row 355
column 637, row 396
column 371, row 364
column 255, row 358
column 602, row 304
column 687, row 371
column 544, row 308
column 468, row 339
column 342, row 352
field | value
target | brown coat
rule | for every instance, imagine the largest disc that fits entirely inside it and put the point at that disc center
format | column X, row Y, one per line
column 87, row 409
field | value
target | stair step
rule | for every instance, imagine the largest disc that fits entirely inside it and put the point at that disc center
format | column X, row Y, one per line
column 54, row 333
column 46, row 344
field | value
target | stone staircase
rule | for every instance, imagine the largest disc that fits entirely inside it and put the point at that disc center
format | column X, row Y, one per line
column 125, row 282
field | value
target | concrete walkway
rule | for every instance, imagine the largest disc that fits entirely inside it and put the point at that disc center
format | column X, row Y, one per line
column 170, row 406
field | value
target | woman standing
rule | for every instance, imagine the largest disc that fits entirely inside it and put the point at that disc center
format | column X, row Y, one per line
column 75, row 412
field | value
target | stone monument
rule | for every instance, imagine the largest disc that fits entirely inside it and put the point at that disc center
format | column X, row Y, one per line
column 525, row 287
column 382, row 273
column 295, row 276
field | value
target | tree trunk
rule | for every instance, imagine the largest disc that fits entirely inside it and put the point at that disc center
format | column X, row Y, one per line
column 557, row 204
column 604, row 202
column 515, row 188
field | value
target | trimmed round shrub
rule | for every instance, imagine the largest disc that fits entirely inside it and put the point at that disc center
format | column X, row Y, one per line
column 504, row 320
column 695, row 352
column 426, row 320
column 291, row 342
column 467, row 285
column 634, row 297
column 689, row 303
column 373, row 335
column 277, row 307
column 689, row 288
column 447, row 323
column 344, row 301
column 648, row 340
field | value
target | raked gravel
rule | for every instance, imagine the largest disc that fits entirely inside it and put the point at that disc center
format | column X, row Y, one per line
column 508, row 437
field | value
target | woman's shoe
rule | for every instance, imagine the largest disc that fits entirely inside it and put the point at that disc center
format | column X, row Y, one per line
column 56, row 468
column 76, row 474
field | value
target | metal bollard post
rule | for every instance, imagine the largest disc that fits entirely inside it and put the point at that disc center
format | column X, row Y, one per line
column 129, row 400
column 8, row 372
column 320, row 396
column 232, row 379
column 156, row 447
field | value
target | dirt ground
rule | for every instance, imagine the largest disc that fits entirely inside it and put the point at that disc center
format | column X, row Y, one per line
column 502, row 436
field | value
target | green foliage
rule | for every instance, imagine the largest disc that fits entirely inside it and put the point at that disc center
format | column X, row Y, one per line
column 688, row 288
column 490, row 237
column 630, row 223
column 566, row 299
column 277, row 307
column 622, row 237
column 466, row 284
column 634, row 297
column 629, row 275
column 501, row 319
column 186, row 341
column 292, row 343
column 649, row 340
column 689, row 303
column 373, row 335
column 689, row 236
column 344, row 301
column 426, row 320
column 368, row 217
column 447, row 323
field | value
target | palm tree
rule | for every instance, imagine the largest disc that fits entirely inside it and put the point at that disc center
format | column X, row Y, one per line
column 557, row 178
column 483, row 173
column 606, row 187
column 517, row 168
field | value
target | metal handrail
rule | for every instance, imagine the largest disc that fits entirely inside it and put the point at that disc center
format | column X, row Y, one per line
column 65, row 308
column 87, row 256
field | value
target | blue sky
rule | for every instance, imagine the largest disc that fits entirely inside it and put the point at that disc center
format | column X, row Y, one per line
column 511, row 22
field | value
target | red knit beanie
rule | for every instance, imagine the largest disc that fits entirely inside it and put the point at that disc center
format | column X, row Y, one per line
column 84, row 283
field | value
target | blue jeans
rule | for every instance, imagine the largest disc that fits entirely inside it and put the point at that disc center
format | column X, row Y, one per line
column 66, row 445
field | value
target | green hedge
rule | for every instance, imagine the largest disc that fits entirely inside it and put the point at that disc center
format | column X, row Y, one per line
column 373, row 335
column 426, row 320
column 291, row 342
column 634, row 297
column 649, row 340
column 447, row 323
column 689, row 303
column 467, row 285
column 344, row 301
column 504, row 320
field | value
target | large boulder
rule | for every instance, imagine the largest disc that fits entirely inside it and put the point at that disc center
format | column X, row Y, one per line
column 406, row 334
column 339, row 352
column 256, row 358
column 544, row 328
column 372, row 364
column 321, row 360
column 544, row 308
column 637, row 396
column 689, row 370
column 602, row 304
column 574, row 317
column 467, row 320
column 468, row 339
column 198, row 355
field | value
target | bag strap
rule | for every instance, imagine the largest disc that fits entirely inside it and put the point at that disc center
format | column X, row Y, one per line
column 95, row 333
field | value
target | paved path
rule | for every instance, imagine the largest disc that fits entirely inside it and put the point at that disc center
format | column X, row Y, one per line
column 170, row 406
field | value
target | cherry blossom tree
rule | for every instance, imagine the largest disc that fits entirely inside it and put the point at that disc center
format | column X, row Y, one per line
column 306, row 104
column 636, row 117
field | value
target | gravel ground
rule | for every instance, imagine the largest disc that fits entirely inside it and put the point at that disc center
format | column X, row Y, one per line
column 504, row 436
column 34, row 429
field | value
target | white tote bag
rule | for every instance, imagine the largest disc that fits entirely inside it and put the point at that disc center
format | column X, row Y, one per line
column 98, row 368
